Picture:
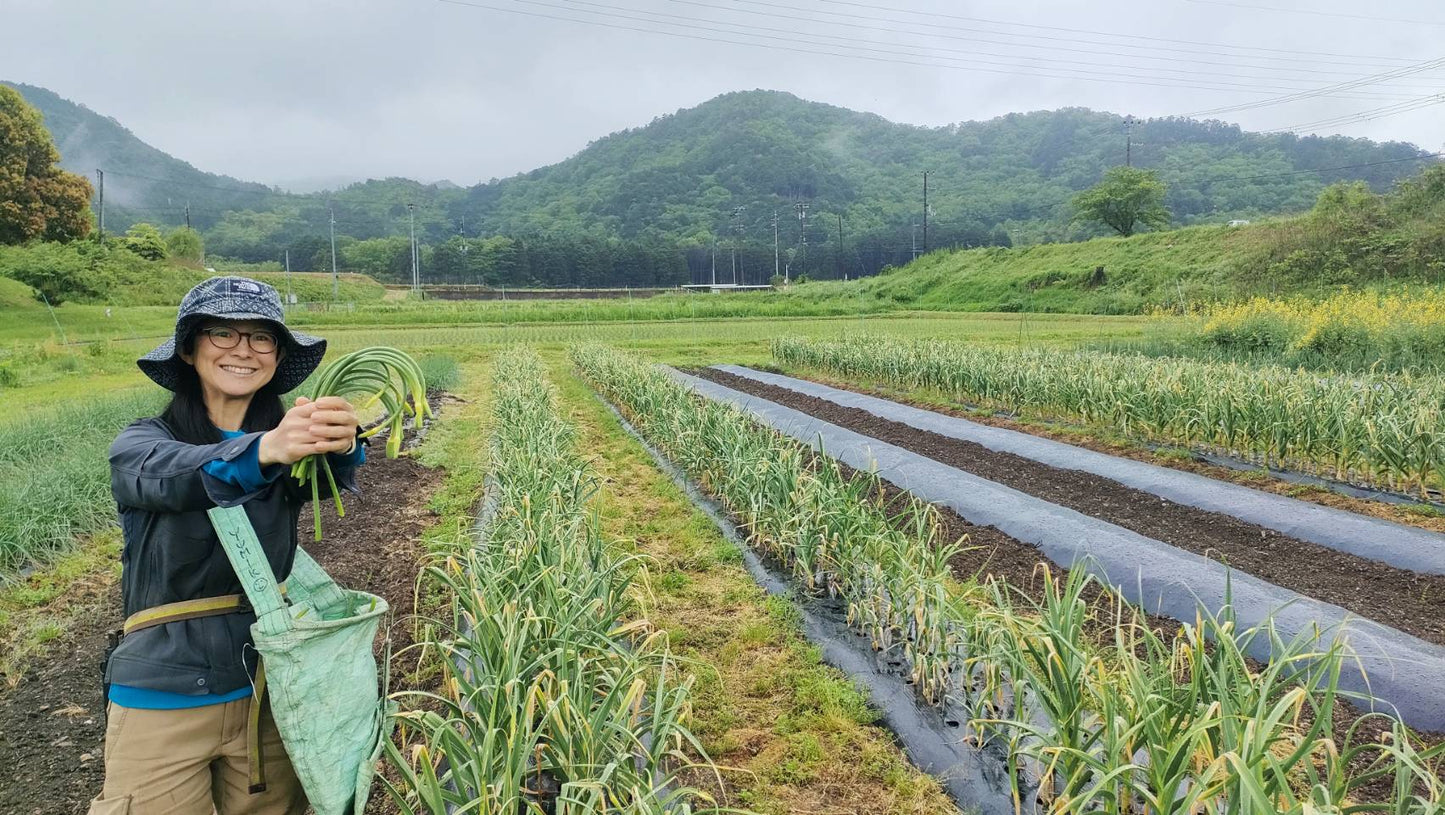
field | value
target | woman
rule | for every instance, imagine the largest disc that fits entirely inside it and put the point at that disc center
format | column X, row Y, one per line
column 180, row 737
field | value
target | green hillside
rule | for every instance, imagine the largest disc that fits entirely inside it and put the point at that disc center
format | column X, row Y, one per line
column 16, row 295
column 1150, row 269
column 681, row 175
column 644, row 206
column 141, row 182
column 109, row 274
column 1352, row 237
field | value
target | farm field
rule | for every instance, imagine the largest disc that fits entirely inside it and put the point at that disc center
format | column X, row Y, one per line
column 1045, row 683
column 1065, row 697
column 41, row 368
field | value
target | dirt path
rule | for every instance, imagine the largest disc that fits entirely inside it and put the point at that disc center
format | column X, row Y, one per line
column 1406, row 600
column 51, row 727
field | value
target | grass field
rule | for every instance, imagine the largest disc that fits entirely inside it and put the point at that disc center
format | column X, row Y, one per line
column 37, row 368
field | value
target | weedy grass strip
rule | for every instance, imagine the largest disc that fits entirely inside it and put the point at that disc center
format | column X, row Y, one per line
column 54, row 483
column 796, row 735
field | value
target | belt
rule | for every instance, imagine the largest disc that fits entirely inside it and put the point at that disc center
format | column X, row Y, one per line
column 214, row 607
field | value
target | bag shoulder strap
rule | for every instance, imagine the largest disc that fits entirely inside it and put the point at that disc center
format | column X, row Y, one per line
column 244, row 551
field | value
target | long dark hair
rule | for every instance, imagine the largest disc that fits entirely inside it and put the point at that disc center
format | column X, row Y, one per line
column 190, row 422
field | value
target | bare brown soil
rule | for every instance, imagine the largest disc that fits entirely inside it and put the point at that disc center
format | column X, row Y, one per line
column 1406, row 600
column 51, row 724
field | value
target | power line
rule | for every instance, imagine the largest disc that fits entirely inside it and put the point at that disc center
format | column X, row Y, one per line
column 1368, row 115
column 1329, row 89
column 1051, row 44
column 792, row 47
column 1133, row 68
column 1371, row 17
column 1035, row 26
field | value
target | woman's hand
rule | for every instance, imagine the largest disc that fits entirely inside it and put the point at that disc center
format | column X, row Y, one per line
column 327, row 425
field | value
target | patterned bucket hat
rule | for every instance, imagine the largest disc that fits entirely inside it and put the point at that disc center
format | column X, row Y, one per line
column 235, row 298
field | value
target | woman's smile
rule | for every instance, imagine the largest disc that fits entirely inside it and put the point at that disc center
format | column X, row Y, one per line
column 239, row 370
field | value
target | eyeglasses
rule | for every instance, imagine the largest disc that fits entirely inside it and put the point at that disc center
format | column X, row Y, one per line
column 262, row 342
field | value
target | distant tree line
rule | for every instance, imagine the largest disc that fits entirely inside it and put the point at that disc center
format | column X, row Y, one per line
column 560, row 260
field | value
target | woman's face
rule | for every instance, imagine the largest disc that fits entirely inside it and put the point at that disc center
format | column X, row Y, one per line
column 241, row 370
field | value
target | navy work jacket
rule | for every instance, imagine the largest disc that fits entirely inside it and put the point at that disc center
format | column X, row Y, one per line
column 172, row 554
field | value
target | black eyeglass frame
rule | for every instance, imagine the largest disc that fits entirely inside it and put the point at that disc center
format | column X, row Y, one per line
column 247, row 335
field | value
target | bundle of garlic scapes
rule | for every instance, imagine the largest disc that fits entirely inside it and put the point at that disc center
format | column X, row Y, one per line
column 375, row 374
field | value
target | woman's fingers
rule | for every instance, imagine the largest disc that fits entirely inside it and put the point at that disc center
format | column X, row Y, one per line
column 333, row 431
column 338, row 417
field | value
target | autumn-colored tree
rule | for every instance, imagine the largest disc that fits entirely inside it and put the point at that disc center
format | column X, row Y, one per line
column 38, row 200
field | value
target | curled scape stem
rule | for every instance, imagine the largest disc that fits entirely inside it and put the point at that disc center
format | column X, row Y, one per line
column 377, row 374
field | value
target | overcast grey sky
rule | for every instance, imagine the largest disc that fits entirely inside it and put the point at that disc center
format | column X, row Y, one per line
column 279, row 90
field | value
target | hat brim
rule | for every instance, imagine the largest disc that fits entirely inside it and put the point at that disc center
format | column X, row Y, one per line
column 304, row 353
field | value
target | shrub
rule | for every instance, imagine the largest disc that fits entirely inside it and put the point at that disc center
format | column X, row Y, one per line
column 185, row 244
column 145, row 240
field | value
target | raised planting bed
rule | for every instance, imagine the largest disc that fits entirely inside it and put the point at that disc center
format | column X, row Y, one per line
column 933, row 742
column 557, row 695
column 1412, row 601
column 1396, row 669
column 1416, row 550
column 1377, row 430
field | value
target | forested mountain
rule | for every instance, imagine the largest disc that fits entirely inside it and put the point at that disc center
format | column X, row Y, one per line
column 142, row 183
column 647, row 205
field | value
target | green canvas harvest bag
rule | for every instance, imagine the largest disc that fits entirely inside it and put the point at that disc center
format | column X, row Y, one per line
column 317, row 667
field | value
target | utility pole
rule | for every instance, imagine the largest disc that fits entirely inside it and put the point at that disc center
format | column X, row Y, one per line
column 841, row 273
column 925, row 210
column 188, row 215
column 737, row 238
column 714, row 262
column 775, row 246
column 802, row 209
column 462, row 233
column 100, row 180
column 335, row 286
column 288, row 277
column 1129, row 141
column 415, row 279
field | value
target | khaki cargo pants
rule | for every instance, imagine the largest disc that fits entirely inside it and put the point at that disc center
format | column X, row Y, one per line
column 192, row 762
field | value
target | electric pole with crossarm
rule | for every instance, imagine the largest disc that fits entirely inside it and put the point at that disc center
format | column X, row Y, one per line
column 925, row 210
